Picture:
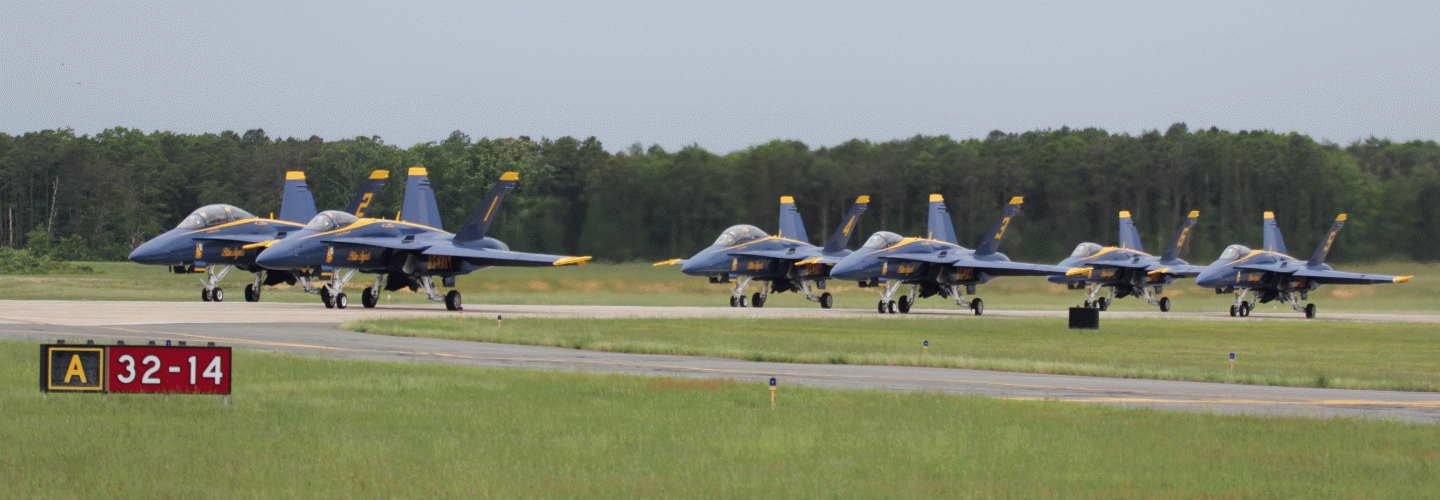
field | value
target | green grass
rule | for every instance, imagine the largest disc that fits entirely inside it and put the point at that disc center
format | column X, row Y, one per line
column 1391, row 356
column 643, row 284
column 309, row 428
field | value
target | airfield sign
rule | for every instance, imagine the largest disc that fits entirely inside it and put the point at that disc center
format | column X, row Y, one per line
column 135, row 369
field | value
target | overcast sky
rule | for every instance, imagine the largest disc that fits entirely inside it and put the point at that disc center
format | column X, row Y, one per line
column 723, row 75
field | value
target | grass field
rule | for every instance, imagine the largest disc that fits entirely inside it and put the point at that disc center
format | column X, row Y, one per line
column 643, row 284
column 1392, row 356
column 298, row 427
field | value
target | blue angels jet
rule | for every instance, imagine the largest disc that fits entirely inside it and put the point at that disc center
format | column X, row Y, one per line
column 1126, row 270
column 935, row 264
column 405, row 253
column 784, row 262
column 1260, row 276
column 224, row 236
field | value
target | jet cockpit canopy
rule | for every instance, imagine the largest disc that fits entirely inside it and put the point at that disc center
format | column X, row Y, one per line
column 740, row 233
column 882, row 239
column 213, row 215
column 1086, row 249
column 1233, row 252
column 330, row 220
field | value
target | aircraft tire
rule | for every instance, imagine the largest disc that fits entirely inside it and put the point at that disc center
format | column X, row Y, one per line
column 452, row 301
column 882, row 307
column 978, row 306
column 1164, row 304
column 1104, row 303
column 905, row 305
column 1244, row 309
column 204, row 295
column 1233, row 312
column 1309, row 311
column 744, row 301
column 342, row 301
column 826, row 300
column 217, row 295
column 734, row 302
column 325, row 297
column 758, row 300
column 369, row 297
column 251, row 293
column 891, row 306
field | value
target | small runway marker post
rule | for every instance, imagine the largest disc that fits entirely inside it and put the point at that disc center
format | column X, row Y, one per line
column 1232, row 361
column 926, row 348
column 772, row 393
column 499, row 321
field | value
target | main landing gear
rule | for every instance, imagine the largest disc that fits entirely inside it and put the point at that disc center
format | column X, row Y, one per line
column 906, row 302
column 1242, row 307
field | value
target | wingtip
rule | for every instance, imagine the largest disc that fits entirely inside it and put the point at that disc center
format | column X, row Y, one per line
column 1403, row 279
column 670, row 262
column 572, row 260
column 510, row 176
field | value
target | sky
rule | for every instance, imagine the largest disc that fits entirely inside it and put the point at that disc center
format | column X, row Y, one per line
column 723, row 75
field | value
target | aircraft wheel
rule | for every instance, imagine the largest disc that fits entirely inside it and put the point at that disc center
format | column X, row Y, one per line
column 826, row 300
column 744, row 301
column 890, row 306
column 217, row 295
column 204, row 295
column 1309, row 311
column 1244, row 309
column 905, row 305
column 452, row 300
column 369, row 297
column 882, row 307
column 1164, row 304
column 325, row 297
column 978, row 306
column 734, row 302
column 252, row 294
column 1234, row 312
column 758, row 300
column 1104, row 303
column 1088, row 304
column 341, row 301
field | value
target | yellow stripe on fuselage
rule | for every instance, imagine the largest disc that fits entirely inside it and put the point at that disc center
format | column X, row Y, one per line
column 244, row 221
column 767, row 238
column 369, row 221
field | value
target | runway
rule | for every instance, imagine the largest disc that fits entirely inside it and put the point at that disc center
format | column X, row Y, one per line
column 310, row 330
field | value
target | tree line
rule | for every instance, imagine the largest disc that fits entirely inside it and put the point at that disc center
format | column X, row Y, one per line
column 81, row 197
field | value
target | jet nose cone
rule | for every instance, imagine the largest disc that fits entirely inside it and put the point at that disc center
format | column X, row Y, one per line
column 1210, row 277
column 704, row 263
column 847, row 269
column 159, row 251
column 274, row 257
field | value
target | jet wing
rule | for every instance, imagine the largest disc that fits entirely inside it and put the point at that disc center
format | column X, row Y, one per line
column 490, row 257
column 1184, row 271
column 380, row 242
column 1006, row 268
column 1343, row 278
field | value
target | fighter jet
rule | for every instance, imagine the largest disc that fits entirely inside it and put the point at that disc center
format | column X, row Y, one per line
column 784, row 262
column 935, row 264
column 408, row 252
column 1269, row 274
column 1126, row 270
column 225, row 236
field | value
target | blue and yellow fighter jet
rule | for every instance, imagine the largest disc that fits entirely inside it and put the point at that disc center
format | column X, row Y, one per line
column 1268, row 274
column 1126, row 270
column 935, row 264
column 225, row 236
column 402, row 253
column 784, row 262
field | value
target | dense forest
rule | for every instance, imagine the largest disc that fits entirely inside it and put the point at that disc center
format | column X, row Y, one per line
column 95, row 198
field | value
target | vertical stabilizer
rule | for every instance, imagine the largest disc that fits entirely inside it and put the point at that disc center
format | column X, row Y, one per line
column 1273, row 241
column 420, row 207
column 940, row 226
column 1324, row 249
column 1129, row 236
column 847, row 225
column 791, row 226
column 360, row 205
column 479, row 223
column 992, row 239
column 1181, row 238
column 296, row 202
